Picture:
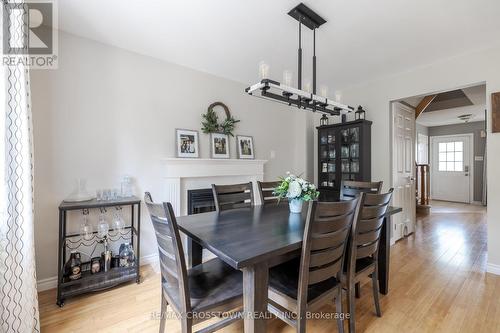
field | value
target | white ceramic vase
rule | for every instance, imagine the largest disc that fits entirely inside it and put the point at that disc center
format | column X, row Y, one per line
column 295, row 205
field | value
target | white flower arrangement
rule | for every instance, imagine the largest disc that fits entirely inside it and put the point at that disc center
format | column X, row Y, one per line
column 293, row 187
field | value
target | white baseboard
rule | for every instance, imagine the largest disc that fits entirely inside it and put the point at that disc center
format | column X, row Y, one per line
column 51, row 282
column 493, row 268
column 46, row 284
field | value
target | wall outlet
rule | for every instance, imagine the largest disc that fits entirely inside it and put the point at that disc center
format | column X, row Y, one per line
column 272, row 155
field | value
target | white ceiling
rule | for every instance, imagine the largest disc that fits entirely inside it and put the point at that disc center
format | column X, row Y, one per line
column 477, row 96
column 450, row 116
column 362, row 40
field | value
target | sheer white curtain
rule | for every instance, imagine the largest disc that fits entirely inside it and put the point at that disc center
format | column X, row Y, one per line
column 18, row 294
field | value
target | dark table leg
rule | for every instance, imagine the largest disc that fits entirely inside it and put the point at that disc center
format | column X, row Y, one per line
column 384, row 254
column 255, row 280
column 195, row 253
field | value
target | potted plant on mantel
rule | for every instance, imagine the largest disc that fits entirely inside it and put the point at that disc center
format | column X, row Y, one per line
column 296, row 190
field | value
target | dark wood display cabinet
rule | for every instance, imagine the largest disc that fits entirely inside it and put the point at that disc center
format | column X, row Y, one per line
column 344, row 153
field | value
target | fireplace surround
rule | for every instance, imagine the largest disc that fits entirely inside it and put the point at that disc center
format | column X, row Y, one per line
column 187, row 174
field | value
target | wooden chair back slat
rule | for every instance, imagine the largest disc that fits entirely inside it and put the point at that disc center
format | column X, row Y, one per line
column 233, row 196
column 350, row 189
column 326, row 225
column 162, row 228
column 330, row 240
column 368, row 237
column 323, row 273
column 323, row 257
column 373, row 212
column 370, row 224
column 363, row 251
column 165, row 245
column 378, row 200
column 266, row 191
column 326, row 210
column 171, row 255
column 167, row 267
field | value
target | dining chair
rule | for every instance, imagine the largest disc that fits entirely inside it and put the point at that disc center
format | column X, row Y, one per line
column 266, row 191
column 349, row 189
column 233, row 196
column 197, row 293
column 362, row 253
column 306, row 283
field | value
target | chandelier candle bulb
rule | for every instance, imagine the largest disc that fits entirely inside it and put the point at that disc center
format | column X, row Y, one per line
column 307, row 86
column 323, row 91
column 287, row 78
column 263, row 70
column 338, row 96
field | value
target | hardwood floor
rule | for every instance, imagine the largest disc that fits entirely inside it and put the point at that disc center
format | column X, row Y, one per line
column 437, row 284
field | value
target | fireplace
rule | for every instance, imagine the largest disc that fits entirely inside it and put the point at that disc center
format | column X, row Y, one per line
column 200, row 201
column 184, row 174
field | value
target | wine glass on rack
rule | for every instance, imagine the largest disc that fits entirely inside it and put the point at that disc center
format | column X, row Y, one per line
column 86, row 228
column 118, row 223
column 102, row 226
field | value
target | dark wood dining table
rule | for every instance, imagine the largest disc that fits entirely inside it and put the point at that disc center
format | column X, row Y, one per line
column 254, row 239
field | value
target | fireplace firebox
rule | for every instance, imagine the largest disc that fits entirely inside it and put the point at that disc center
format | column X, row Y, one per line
column 200, row 201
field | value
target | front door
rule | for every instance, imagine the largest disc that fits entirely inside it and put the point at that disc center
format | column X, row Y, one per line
column 403, row 128
column 450, row 162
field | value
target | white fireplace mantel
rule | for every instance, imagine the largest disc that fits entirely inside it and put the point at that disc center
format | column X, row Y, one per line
column 182, row 174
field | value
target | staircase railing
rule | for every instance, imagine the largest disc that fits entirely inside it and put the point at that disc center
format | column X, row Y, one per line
column 423, row 176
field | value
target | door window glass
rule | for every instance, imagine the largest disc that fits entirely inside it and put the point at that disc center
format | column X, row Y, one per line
column 451, row 156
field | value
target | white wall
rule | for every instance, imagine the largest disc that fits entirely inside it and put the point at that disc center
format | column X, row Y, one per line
column 107, row 112
column 472, row 68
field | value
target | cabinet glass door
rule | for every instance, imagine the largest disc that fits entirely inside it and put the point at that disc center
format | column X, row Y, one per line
column 350, row 153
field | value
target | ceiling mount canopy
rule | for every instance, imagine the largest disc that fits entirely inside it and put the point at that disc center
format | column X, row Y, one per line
column 306, row 16
column 284, row 92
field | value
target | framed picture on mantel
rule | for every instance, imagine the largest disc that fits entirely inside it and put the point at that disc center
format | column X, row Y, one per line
column 187, row 143
column 245, row 147
column 220, row 145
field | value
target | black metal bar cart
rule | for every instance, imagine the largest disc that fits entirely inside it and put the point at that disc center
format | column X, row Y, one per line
column 70, row 241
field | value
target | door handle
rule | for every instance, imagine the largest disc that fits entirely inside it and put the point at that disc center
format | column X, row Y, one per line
column 466, row 175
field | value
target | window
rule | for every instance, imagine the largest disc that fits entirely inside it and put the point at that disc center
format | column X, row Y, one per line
column 451, row 156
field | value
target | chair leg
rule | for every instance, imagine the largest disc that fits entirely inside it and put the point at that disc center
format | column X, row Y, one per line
column 301, row 324
column 352, row 307
column 340, row 313
column 357, row 290
column 375, row 292
column 163, row 313
column 186, row 325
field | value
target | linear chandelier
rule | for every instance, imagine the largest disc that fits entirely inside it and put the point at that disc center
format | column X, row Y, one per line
column 284, row 93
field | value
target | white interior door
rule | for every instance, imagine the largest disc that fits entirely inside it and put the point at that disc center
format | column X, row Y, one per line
column 403, row 151
column 451, row 168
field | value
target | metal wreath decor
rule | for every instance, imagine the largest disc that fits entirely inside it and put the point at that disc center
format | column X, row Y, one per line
column 210, row 122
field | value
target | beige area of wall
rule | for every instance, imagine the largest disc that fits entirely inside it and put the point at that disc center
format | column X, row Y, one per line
column 107, row 112
column 464, row 70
